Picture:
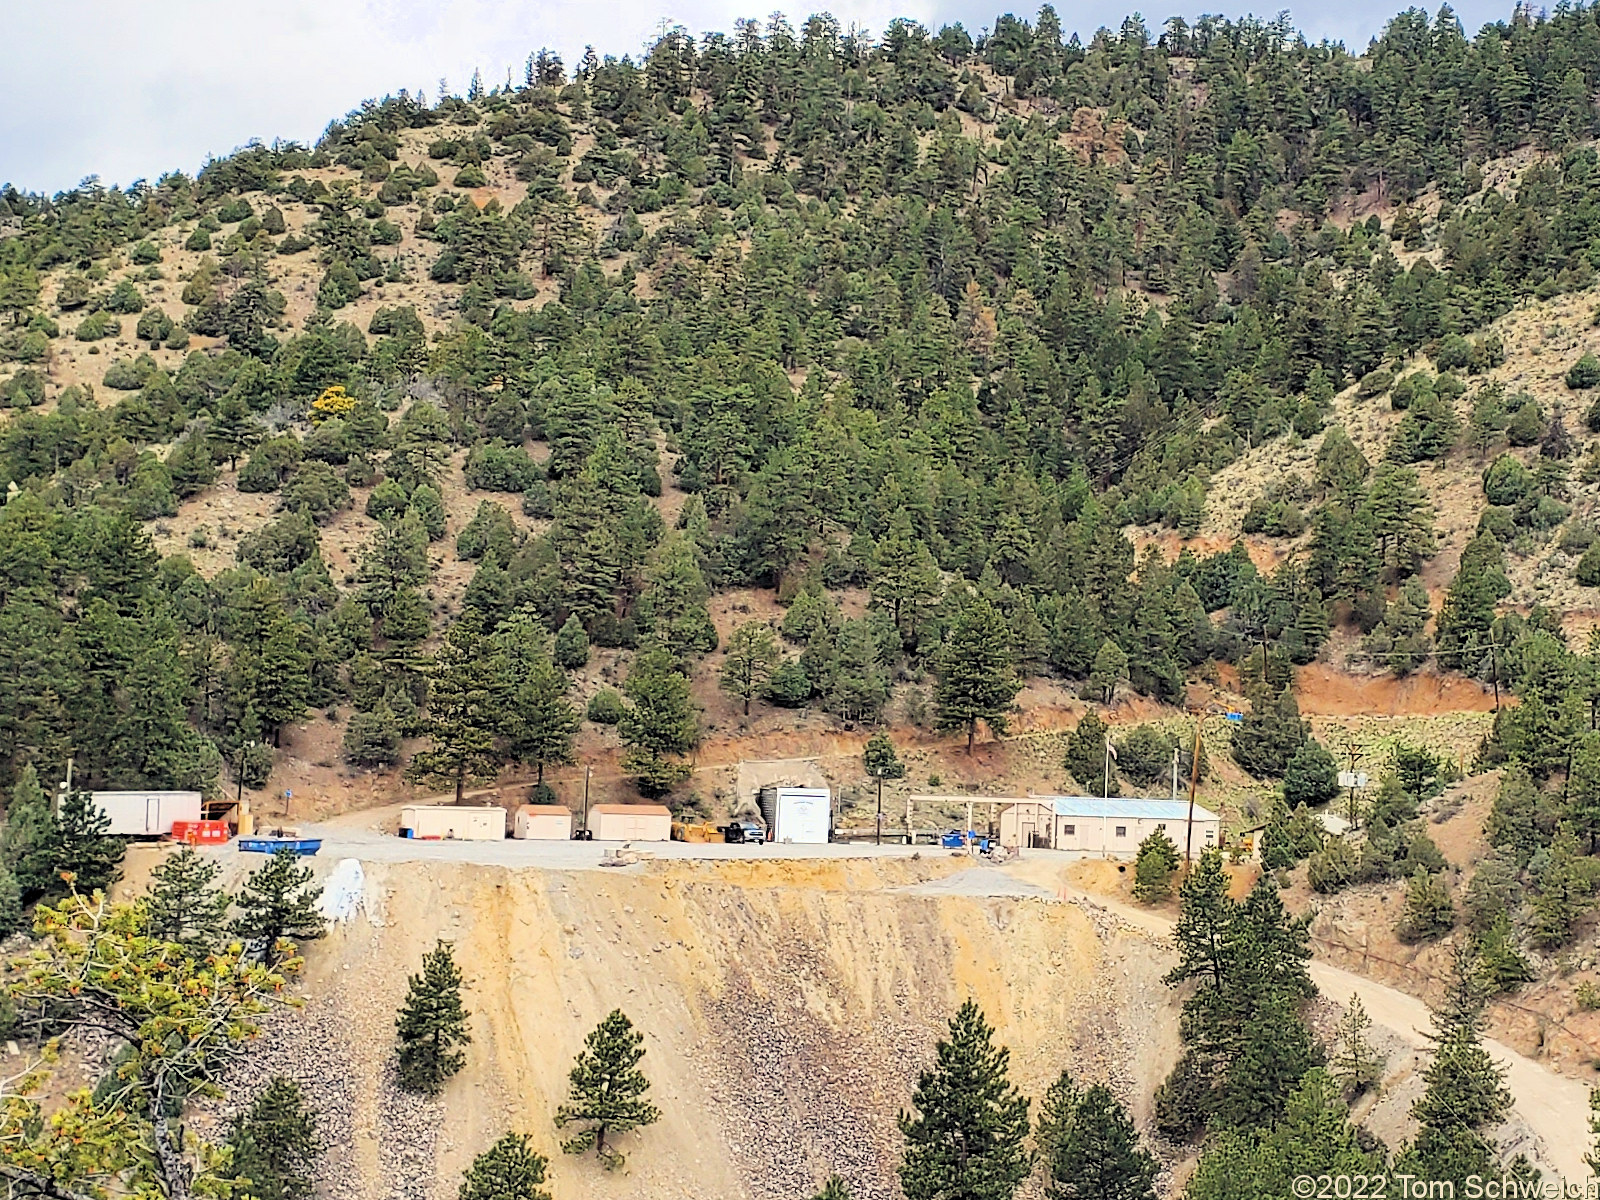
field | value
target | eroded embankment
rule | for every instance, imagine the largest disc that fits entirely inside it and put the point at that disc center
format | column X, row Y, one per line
column 788, row 1008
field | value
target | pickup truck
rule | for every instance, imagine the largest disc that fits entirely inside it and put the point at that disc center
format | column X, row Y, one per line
column 741, row 832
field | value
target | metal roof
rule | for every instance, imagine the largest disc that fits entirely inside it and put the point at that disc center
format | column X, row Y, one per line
column 1124, row 806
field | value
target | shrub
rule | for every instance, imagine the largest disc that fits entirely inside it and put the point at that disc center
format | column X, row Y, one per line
column 1585, row 373
column 123, row 376
column 1588, row 569
column 1375, row 383
column 144, row 253
column 606, row 708
column 154, row 326
column 471, row 176
column 97, row 326
column 496, row 467
column 1506, row 480
column 198, row 240
column 124, row 298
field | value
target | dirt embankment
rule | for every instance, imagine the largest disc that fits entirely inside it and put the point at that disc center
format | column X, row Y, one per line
column 788, row 1008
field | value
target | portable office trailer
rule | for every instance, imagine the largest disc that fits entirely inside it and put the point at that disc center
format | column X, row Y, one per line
column 797, row 814
column 1111, row 827
column 146, row 814
column 543, row 823
column 630, row 823
column 458, row 822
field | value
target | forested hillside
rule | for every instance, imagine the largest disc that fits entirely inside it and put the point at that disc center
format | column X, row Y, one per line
column 922, row 333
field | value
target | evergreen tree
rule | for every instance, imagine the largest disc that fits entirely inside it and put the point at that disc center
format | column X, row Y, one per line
column 881, row 762
column 859, row 689
column 26, row 832
column 1465, row 1092
column 372, row 739
column 964, row 1137
column 834, row 1189
column 1110, row 668
column 1311, row 776
column 1563, row 890
column 661, row 722
column 905, row 579
column 432, row 1023
column 11, row 918
column 672, row 608
column 1270, row 735
column 279, row 902
column 464, row 713
column 606, row 1096
column 1085, row 759
column 1154, row 867
column 77, row 846
column 511, row 1169
column 538, row 722
column 184, row 903
column 1429, row 912
column 1354, row 1062
column 571, row 651
column 1091, row 1148
column 275, row 1144
column 1499, row 962
column 977, row 673
column 749, row 660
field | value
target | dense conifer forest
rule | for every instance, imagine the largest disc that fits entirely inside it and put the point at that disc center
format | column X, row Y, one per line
column 933, row 316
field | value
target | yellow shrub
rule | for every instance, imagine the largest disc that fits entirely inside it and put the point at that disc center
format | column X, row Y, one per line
column 334, row 402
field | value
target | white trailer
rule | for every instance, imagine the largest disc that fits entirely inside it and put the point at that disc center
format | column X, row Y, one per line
column 454, row 822
column 146, row 814
column 543, row 823
column 801, row 815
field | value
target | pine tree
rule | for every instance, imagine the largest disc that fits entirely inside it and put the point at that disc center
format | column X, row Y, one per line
column 749, row 660
column 10, row 902
column 275, row 1144
column 1499, row 962
column 834, row 1189
column 1110, row 668
column 25, row 833
column 1091, row 1148
column 1564, row 889
column 964, row 1139
column 184, row 903
column 1429, row 912
column 859, row 689
column 1270, row 735
column 78, row 845
column 1085, row 758
column 606, row 1095
column 571, row 651
column 1354, row 1062
column 511, row 1169
column 432, row 1022
column 1154, row 867
column 1311, row 776
column 538, row 721
column 1465, row 1091
column 881, row 762
column 977, row 673
column 661, row 722
column 672, row 608
column 905, row 579
column 1583, row 790
column 464, row 713
column 279, row 902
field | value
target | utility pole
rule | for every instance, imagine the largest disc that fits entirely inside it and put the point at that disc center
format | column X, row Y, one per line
column 1194, row 783
column 586, row 770
column 911, row 836
column 879, row 840
column 1174, row 774
column 1494, row 669
column 1351, row 747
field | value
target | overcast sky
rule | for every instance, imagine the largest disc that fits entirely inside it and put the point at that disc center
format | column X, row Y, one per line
column 128, row 91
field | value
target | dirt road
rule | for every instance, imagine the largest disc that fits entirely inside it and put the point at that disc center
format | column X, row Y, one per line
column 1556, row 1108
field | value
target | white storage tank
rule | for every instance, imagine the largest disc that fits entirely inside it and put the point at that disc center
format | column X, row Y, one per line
column 630, row 823
column 454, row 822
column 543, row 823
column 146, row 814
column 800, row 815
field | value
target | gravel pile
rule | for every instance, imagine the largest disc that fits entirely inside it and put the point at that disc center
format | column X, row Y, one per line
column 326, row 1047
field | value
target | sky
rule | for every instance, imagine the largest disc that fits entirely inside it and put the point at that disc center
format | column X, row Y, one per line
column 129, row 91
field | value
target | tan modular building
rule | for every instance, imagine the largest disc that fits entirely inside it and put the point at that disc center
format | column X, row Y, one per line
column 630, row 823
column 1111, row 828
column 457, row 822
column 543, row 823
